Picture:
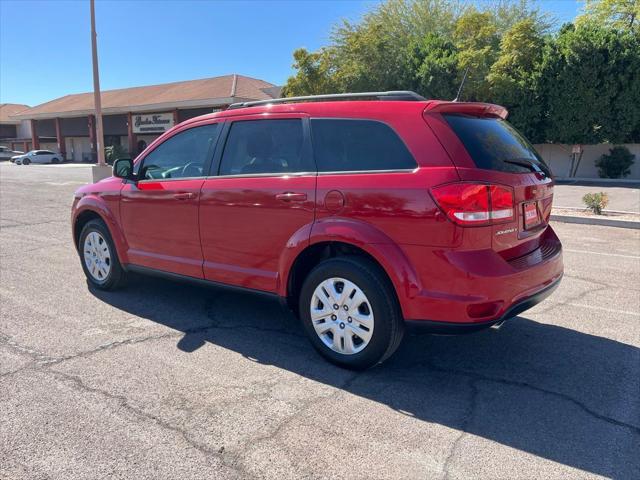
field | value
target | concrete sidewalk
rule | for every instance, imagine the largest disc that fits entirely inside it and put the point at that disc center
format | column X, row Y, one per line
column 622, row 197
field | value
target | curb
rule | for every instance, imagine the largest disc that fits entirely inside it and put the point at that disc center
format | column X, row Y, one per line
column 584, row 209
column 606, row 222
column 595, row 182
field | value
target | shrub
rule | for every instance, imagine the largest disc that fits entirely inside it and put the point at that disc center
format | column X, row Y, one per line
column 596, row 202
column 617, row 164
column 114, row 152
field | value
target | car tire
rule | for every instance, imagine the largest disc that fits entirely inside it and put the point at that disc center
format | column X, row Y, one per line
column 55, row 160
column 26, row 161
column 103, row 270
column 369, row 298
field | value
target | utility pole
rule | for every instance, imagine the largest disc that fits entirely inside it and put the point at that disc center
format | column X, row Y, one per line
column 96, row 88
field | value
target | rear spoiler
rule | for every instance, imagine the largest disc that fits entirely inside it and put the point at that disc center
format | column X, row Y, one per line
column 470, row 108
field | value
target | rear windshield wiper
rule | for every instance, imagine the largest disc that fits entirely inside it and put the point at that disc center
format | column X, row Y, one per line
column 527, row 164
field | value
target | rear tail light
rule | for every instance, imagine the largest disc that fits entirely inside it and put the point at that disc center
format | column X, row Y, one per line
column 475, row 203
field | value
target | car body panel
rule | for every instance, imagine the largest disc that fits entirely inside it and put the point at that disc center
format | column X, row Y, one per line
column 244, row 227
column 102, row 198
column 160, row 222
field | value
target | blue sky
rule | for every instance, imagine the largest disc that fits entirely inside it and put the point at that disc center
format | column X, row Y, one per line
column 45, row 49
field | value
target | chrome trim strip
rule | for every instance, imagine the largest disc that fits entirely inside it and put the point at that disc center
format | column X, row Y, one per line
column 251, row 175
column 149, row 180
column 362, row 172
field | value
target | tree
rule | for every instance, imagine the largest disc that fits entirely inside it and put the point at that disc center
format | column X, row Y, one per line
column 314, row 74
column 578, row 85
column 515, row 76
column 591, row 80
column 434, row 65
column 619, row 14
column 617, row 164
column 476, row 39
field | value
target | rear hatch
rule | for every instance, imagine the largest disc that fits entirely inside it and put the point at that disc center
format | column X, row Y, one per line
column 486, row 149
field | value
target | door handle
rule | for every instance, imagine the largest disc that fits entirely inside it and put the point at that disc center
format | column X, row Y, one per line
column 184, row 195
column 291, row 197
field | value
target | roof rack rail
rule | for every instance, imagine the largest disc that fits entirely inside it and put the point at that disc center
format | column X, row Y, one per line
column 391, row 95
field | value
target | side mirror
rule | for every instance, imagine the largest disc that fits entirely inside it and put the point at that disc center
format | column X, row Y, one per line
column 123, row 168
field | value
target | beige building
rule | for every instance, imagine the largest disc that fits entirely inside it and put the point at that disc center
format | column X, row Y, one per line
column 132, row 117
column 14, row 132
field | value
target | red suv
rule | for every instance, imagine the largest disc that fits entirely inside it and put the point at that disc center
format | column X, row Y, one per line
column 365, row 213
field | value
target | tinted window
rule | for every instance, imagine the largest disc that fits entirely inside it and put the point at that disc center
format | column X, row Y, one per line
column 493, row 144
column 263, row 146
column 183, row 155
column 355, row 145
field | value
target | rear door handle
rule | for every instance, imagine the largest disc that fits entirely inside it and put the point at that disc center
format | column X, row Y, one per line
column 184, row 195
column 291, row 197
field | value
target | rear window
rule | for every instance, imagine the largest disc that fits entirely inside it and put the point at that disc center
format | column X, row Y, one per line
column 344, row 145
column 494, row 144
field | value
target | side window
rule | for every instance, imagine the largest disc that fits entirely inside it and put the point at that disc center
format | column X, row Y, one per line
column 263, row 146
column 183, row 155
column 342, row 145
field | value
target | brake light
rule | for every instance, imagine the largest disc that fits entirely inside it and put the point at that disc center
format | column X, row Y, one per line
column 475, row 203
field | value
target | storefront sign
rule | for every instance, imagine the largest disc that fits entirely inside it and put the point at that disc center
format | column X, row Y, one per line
column 152, row 122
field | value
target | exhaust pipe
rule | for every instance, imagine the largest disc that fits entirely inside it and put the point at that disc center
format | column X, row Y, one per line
column 497, row 325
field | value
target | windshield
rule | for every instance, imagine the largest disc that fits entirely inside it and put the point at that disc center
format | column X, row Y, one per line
column 494, row 144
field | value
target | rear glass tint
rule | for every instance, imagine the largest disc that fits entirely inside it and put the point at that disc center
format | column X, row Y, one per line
column 493, row 144
column 343, row 145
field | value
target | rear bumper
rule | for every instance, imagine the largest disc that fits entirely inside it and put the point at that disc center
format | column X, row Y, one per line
column 453, row 328
column 478, row 288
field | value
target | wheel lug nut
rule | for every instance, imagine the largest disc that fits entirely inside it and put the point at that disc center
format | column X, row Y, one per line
column 349, row 319
column 345, row 307
column 335, row 306
column 341, row 324
column 333, row 317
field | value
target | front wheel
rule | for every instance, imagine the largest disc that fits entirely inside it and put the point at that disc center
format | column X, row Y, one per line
column 350, row 312
column 26, row 161
column 99, row 257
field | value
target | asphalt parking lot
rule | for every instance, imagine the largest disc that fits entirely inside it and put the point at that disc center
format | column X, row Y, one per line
column 166, row 380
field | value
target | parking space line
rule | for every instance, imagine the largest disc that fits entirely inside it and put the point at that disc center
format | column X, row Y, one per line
column 602, row 253
column 593, row 307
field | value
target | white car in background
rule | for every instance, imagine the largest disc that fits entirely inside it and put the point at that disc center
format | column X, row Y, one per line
column 37, row 156
column 6, row 153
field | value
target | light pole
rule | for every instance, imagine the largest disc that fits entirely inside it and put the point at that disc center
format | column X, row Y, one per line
column 96, row 88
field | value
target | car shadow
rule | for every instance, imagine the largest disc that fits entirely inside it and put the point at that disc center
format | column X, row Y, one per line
column 553, row 392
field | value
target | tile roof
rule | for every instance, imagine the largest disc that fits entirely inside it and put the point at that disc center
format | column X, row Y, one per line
column 191, row 93
column 9, row 109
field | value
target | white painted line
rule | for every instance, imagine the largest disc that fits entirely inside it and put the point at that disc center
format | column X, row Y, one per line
column 637, row 257
column 604, row 309
column 57, row 184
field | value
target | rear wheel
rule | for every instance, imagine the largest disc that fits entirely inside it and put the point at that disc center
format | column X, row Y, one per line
column 350, row 312
column 99, row 257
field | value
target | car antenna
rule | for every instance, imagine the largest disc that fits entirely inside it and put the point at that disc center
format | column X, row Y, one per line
column 464, row 79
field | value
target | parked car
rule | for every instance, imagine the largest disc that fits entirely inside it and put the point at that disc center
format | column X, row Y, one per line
column 364, row 216
column 6, row 153
column 37, row 156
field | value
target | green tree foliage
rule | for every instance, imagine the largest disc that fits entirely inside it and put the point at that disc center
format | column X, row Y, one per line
column 315, row 74
column 476, row 39
column 619, row 14
column 434, row 64
column 591, row 83
column 578, row 85
column 514, row 78
column 617, row 164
